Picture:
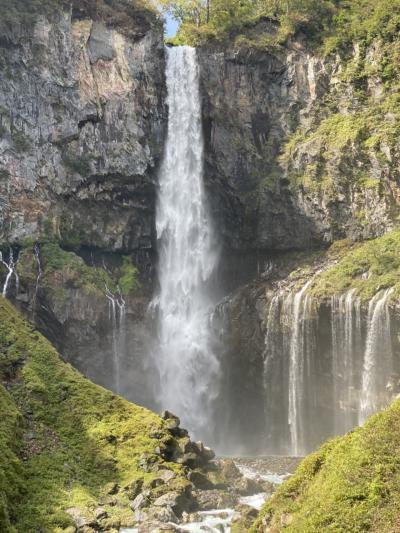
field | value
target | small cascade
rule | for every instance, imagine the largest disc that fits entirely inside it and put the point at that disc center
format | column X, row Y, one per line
column 346, row 344
column 11, row 266
column 328, row 365
column 117, row 316
column 299, row 306
column 36, row 251
column 378, row 358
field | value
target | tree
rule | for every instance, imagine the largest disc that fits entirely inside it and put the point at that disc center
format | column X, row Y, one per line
column 192, row 11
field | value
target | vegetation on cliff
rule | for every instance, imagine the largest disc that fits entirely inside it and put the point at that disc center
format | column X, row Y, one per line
column 329, row 23
column 350, row 484
column 368, row 267
column 61, row 269
column 66, row 443
column 124, row 13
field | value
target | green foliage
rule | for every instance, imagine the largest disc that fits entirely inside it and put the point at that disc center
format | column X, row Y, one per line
column 128, row 282
column 71, row 237
column 63, row 270
column 367, row 267
column 83, row 438
column 349, row 485
column 338, row 138
column 223, row 19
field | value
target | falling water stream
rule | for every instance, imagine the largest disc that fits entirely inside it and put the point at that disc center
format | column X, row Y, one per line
column 378, row 356
column 187, row 367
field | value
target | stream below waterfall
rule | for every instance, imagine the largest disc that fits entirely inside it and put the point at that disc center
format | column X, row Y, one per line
column 274, row 469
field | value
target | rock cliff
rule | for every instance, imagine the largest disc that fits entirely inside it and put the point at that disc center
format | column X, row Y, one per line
column 298, row 154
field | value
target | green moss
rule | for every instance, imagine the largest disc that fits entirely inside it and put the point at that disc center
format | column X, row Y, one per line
column 368, row 267
column 63, row 269
column 128, row 273
column 338, row 138
column 349, row 485
column 82, row 439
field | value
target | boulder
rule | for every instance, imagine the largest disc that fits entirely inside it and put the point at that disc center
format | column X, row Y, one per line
column 139, row 502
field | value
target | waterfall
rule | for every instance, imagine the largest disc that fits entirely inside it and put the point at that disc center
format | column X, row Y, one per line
column 299, row 363
column 11, row 266
column 346, row 342
column 378, row 357
column 117, row 316
column 187, row 255
column 36, row 251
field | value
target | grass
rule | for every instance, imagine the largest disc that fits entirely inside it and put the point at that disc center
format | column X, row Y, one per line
column 368, row 267
column 62, row 268
column 342, row 137
column 350, row 484
column 63, row 440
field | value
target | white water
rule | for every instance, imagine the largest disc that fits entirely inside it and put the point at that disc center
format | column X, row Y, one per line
column 117, row 315
column 346, row 339
column 378, row 356
column 297, row 365
column 11, row 266
column 187, row 256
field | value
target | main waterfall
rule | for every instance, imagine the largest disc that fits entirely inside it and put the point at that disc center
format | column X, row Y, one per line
column 187, row 366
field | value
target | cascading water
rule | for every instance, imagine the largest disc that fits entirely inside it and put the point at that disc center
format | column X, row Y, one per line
column 378, row 356
column 299, row 358
column 346, row 343
column 327, row 366
column 117, row 315
column 187, row 256
column 11, row 266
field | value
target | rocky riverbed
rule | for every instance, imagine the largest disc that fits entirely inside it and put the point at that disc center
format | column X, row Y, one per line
column 230, row 503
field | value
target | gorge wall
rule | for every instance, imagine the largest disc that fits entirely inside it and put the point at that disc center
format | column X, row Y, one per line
column 296, row 157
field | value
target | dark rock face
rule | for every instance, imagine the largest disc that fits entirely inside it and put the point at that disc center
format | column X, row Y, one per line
column 83, row 121
column 252, row 102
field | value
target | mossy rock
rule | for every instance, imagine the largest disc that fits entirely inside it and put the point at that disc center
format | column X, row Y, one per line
column 351, row 484
column 55, row 450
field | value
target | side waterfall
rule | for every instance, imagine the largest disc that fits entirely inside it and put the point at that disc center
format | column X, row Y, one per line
column 327, row 366
column 346, row 341
column 378, row 356
column 299, row 364
column 11, row 266
column 187, row 256
column 117, row 316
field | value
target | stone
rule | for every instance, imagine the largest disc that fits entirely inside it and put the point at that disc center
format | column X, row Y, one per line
column 139, row 502
column 167, row 475
column 162, row 514
column 215, row 499
column 80, row 520
column 167, row 415
column 172, row 424
column 200, row 480
column 100, row 513
column 134, row 488
column 286, row 519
